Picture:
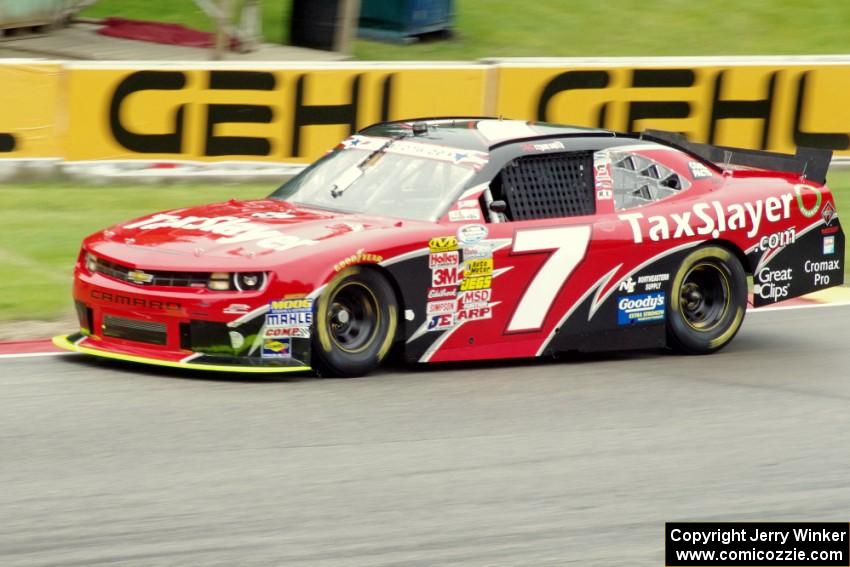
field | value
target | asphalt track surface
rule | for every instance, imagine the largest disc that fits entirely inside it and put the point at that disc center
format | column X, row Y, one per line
column 579, row 461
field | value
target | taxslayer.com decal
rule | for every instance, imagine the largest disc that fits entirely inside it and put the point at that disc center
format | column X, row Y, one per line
column 230, row 229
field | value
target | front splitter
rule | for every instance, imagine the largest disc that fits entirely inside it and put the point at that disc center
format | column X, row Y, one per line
column 73, row 343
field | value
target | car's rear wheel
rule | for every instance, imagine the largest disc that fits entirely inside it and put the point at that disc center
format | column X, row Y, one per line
column 356, row 322
column 708, row 299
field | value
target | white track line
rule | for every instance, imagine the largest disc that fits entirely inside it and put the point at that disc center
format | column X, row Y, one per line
column 33, row 354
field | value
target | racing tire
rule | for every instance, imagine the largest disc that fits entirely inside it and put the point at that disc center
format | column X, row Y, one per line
column 708, row 300
column 355, row 325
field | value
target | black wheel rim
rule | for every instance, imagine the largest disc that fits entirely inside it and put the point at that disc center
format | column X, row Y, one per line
column 704, row 296
column 353, row 317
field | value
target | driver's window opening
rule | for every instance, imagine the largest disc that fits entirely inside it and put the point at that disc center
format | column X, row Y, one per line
column 545, row 186
column 639, row 180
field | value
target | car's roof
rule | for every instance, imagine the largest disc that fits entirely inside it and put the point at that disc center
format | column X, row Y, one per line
column 483, row 134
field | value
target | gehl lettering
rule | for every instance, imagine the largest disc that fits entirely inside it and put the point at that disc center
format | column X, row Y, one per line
column 761, row 106
column 303, row 113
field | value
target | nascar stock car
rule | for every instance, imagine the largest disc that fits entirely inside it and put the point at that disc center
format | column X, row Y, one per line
column 465, row 239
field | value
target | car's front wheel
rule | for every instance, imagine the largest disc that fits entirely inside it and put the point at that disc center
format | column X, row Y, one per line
column 708, row 299
column 355, row 324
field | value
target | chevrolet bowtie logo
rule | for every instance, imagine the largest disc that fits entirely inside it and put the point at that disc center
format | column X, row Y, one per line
column 139, row 277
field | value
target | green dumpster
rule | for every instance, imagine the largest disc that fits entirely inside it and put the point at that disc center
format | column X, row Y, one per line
column 403, row 20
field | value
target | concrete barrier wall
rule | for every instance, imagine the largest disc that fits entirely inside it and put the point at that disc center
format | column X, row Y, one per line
column 291, row 114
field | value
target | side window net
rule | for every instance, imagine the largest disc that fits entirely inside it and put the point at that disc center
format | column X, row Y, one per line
column 639, row 180
column 550, row 185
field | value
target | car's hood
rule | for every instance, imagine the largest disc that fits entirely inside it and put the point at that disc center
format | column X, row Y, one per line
column 249, row 230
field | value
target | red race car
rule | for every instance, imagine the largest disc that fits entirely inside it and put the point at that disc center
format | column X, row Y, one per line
column 465, row 239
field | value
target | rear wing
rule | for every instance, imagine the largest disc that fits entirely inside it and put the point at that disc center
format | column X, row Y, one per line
column 811, row 163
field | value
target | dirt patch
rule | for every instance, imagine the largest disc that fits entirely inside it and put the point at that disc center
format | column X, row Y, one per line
column 23, row 330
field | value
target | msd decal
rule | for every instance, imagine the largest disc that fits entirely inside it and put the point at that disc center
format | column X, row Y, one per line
column 230, row 229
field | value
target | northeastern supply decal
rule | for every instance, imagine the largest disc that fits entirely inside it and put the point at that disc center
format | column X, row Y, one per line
column 643, row 308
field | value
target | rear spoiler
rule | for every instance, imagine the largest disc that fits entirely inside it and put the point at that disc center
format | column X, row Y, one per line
column 811, row 163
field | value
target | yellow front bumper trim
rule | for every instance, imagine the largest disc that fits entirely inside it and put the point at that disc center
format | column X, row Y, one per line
column 62, row 342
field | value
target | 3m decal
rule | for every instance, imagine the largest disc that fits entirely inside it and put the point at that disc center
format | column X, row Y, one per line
column 710, row 218
column 568, row 245
column 643, row 308
column 442, row 277
column 230, row 230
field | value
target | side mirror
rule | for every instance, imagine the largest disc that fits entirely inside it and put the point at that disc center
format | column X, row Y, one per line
column 498, row 206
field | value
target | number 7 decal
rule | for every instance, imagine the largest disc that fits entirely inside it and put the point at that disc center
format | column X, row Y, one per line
column 568, row 245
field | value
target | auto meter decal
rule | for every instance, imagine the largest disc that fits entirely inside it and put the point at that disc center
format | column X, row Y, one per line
column 230, row 229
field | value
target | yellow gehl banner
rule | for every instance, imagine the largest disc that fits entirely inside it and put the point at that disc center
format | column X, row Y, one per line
column 29, row 110
column 260, row 114
column 772, row 107
column 294, row 113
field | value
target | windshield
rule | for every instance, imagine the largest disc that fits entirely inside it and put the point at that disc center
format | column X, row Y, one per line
column 384, row 176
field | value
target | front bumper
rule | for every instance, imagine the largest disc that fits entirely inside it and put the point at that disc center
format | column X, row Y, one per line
column 182, row 328
column 79, row 342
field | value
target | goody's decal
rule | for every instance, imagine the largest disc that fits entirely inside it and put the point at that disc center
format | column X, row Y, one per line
column 642, row 308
